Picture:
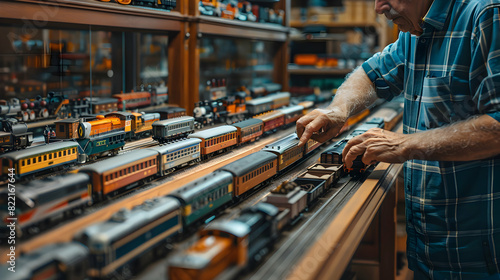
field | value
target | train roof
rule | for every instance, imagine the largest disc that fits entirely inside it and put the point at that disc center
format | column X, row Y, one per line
column 259, row 101
column 64, row 253
column 30, row 192
column 213, row 132
column 251, row 162
column 172, row 146
column 201, row 257
column 133, row 94
column 41, row 149
column 337, row 147
column 277, row 95
column 118, row 161
column 68, row 120
column 206, row 183
column 247, row 123
column 119, row 114
column 233, row 227
column 173, row 121
column 262, row 207
column 283, row 144
column 269, row 115
column 291, row 109
column 125, row 221
column 168, row 109
column 102, row 100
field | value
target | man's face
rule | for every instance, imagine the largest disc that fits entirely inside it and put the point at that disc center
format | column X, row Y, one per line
column 407, row 14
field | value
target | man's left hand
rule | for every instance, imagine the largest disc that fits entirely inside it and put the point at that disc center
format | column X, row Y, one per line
column 377, row 145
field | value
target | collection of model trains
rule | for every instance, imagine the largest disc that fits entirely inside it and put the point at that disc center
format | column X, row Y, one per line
column 253, row 10
column 125, row 241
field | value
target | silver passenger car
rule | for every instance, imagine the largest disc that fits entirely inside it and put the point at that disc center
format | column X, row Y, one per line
column 169, row 129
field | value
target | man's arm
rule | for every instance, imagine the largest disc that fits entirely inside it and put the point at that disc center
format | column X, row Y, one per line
column 354, row 95
column 472, row 139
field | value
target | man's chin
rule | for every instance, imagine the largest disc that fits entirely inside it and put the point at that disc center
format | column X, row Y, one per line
column 412, row 31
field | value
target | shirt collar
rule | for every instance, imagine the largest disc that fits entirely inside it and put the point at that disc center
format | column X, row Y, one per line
column 438, row 13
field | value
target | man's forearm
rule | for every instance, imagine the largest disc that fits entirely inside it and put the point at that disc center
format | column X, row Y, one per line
column 472, row 139
column 355, row 94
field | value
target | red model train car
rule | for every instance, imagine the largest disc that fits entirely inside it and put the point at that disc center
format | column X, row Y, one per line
column 133, row 100
column 272, row 120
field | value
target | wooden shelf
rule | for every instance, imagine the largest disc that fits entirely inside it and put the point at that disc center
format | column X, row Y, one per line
column 317, row 71
column 242, row 29
column 301, row 24
column 87, row 12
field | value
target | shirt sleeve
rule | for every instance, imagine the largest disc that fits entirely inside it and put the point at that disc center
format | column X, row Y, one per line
column 386, row 69
column 485, row 66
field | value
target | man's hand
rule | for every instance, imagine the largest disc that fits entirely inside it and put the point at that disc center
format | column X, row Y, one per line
column 377, row 145
column 320, row 125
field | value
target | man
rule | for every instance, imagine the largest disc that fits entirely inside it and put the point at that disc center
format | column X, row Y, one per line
column 446, row 62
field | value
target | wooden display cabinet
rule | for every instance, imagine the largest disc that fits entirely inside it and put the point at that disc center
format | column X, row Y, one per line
column 201, row 26
column 184, row 26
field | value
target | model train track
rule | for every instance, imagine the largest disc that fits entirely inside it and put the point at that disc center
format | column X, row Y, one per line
column 66, row 231
column 298, row 242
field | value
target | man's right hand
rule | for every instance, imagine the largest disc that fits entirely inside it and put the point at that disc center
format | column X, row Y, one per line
column 320, row 125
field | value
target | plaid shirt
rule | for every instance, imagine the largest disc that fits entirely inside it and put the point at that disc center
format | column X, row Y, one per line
column 449, row 73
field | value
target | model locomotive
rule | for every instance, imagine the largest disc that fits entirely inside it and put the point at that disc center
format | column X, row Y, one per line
column 14, row 135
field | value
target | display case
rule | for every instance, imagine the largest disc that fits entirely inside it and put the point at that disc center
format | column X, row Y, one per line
column 61, row 59
column 329, row 39
column 101, row 48
column 231, row 53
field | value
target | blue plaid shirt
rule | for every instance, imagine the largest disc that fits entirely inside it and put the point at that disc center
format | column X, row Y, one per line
column 449, row 73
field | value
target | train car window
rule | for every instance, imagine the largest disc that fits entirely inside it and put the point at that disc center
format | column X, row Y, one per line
column 50, row 156
column 60, row 154
column 121, row 174
column 142, row 165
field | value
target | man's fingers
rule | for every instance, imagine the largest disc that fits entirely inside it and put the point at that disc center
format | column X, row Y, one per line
column 353, row 142
column 305, row 137
column 314, row 127
column 302, row 123
column 352, row 153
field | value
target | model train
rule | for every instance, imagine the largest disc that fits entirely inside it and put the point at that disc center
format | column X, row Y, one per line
column 123, row 172
column 158, row 220
column 58, row 105
column 242, row 242
column 124, row 241
column 54, row 105
column 232, row 109
column 14, row 136
column 334, row 154
column 160, row 4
